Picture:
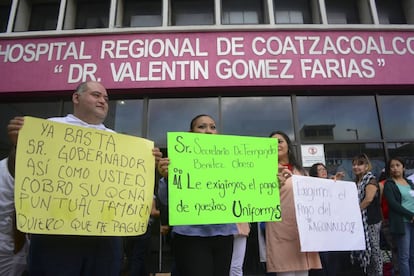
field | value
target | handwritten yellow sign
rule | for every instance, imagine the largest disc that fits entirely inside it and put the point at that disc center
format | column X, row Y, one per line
column 222, row 179
column 82, row 181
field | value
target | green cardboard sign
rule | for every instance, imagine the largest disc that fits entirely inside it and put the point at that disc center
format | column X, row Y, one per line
column 222, row 179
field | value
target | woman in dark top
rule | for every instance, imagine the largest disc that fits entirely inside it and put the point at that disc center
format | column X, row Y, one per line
column 399, row 192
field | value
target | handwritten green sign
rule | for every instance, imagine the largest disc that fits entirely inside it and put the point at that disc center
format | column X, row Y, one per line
column 222, row 179
column 82, row 181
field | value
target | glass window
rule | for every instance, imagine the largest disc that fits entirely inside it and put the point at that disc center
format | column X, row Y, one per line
column 338, row 118
column 342, row 12
column 129, row 117
column 406, row 152
column 397, row 116
column 166, row 115
column 339, row 158
column 257, row 116
column 92, row 14
column 44, row 16
column 242, row 12
column 192, row 12
column 4, row 15
column 390, row 12
column 146, row 13
column 292, row 12
column 35, row 109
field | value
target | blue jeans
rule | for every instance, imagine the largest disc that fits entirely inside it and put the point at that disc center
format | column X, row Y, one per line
column 405, row 244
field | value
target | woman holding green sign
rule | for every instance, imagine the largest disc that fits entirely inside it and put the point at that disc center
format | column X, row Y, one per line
column 283, row 253
column 202, row 250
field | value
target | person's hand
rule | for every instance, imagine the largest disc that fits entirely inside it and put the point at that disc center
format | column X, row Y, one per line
column 157, row 154
column 338, row 176
column 163, row 167
column 164, row 229
column 13, row 129
column 283, row 175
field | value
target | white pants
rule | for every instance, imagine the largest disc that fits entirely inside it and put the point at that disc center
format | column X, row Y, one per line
column 237, row 259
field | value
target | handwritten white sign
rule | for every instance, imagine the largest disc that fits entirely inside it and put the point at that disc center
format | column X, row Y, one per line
column 328, row 214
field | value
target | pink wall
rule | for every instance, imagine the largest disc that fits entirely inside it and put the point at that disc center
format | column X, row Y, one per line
column 266, row 58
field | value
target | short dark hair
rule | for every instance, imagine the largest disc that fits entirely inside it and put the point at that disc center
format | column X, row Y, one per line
column 313, row 171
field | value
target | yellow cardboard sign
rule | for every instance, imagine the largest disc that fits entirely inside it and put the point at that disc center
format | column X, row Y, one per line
column 222, row 179
column 82, row 181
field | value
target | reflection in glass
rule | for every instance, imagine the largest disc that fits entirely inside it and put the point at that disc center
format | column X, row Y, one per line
column 397, row 114
column 192, row 12
column 338, row 118
column 343, row 12
column 293, row 12
column 390, row 12
column 242, row 12
column 4, row 15
column 257, row 116
column 92, row 14
column 44, row 16
column 145, row 13
column 129, row 117
column 8, row 111
column 166, row 115
column 339, row 158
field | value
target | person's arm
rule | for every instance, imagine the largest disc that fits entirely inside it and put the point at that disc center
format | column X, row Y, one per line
column 163, row 206
column 283, row 174
column 154, row 211
column 393, row 203
column 163, row 167
column 370, row 192
column 157, row 154
column 338, row 176
column 11, row 161
column 381, row 187
column 13, row 129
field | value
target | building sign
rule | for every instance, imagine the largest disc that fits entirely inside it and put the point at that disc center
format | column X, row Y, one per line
column 312, row 154
column 168, row 60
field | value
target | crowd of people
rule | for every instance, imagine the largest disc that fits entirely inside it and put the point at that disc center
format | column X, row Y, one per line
column 211, row 249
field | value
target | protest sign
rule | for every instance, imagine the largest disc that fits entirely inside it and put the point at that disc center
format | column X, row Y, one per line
column 222, row 179
column 82, row 181
column 327, row 214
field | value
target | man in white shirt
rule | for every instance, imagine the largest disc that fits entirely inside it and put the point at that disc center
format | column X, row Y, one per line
column 13, row 244
column 77, row 255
